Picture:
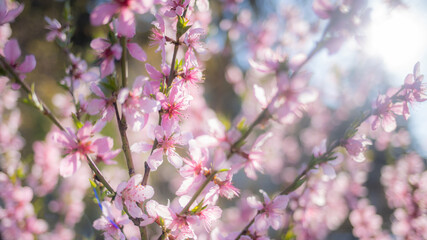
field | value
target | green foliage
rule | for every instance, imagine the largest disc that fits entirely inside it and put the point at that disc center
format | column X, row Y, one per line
column 76, row 121
column 182, row 26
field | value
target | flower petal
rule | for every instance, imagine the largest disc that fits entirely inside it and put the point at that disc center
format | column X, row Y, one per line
column 12, row 51
column 103, row 13
column 136, row 52
column 27, row 65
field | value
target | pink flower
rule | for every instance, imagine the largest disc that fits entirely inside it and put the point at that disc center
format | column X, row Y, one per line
column 328, row 166
column 191, row 74
column 181, row 226
column 272, row 211
column 192, row 40
column 195, row 169
column 136, row 105
column 168, row 137
column 159, row 36
column 356, row 146
column 292, row 98
column 384, row 113
column 9, row 15
column 101, row 105
column 323, row 8
column 55, row 30
column 159, row 77
column 78, row 72
column 223, row 188
column 414, row 90
column 269, row 62
column 103, row 13
column 366, row 223
column 253, row 160
column 78, row 145
column 131, row 193
column 12, row 52
column 173, row 105
column 111, row 222
column 156, row 210
column 208, row 216
column 107, row 53
column 176, row 7
column 136, row 51
column 46, row 158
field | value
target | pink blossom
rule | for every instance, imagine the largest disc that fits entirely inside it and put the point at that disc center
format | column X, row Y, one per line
column 195, row 169
column 173, row 105
column 46, row 158
column 272, row 211
column 292, row 98
column 223, row 188
column 102, row 105
column 156, row 210
column 17, row 216
column 384, row 113
column 414, row 90
column 168, row 137
column 356, row 146
column 107, row 53
column 136, row 105
column 181, row 226
column 9, row 15
column 192, row 40
column 253, row 160
column 131, row 193
column 269, row 61
column 12, row 52
column 176, row 7
column 136, row 51
column 110, row 222
column 159, row 36
column 323, row 8
column 103, row 13
column 78, row 145
column 191, row 74
column 328, row 166
column 55, row 30
column 208, row 216
column 78, row 72
column 157, row 75
column 366, row 223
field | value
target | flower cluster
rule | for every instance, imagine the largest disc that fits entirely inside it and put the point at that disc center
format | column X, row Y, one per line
column 312, row 158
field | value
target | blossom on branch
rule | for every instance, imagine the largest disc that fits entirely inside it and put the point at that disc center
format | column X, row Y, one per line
column 103, row 13
column 107, row 53
column 80, row 144
column 8, row 15
column 131, row 194
column 272, row 211
column 12, row 52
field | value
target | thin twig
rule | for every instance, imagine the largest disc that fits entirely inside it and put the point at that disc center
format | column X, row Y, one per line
column 45, row 110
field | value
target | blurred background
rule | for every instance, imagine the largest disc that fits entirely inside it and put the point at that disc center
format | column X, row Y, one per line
column 391, row 44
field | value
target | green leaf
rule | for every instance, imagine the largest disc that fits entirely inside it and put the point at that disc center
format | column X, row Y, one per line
column 92, row 183
column 241, row 126
column 34, row 99
column 76, row 121
column 290, row 235
column 181, row 26
column 198, row 208
column 112, row 37
column 297, row 184
column 223, row 170
column 67, row 12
